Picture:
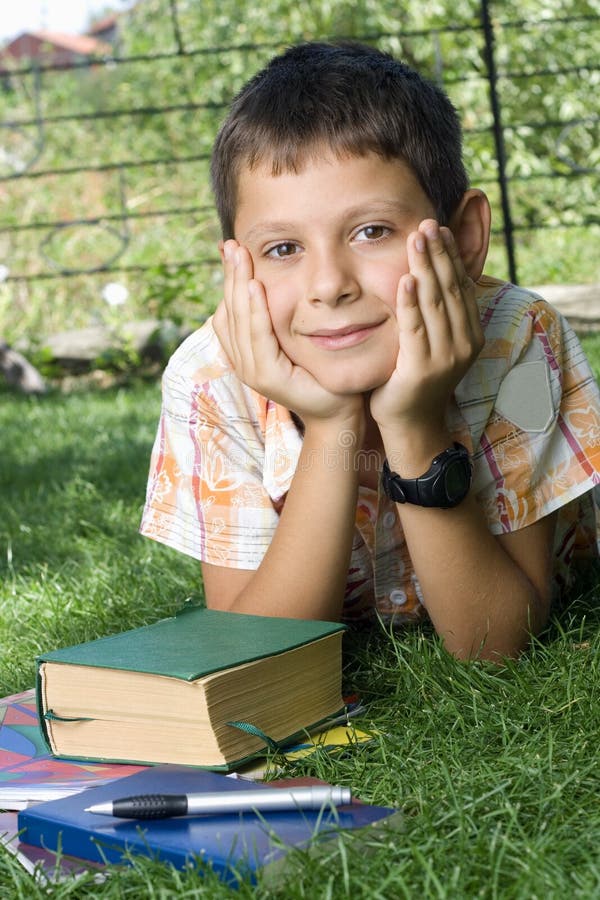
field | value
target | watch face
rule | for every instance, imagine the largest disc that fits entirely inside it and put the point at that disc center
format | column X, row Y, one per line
column 445, row 484
column 456, row 480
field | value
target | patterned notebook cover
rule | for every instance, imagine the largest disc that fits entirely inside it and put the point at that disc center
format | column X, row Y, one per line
column 28, row 772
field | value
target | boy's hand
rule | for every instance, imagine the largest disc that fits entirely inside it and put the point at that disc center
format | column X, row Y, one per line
column 439, row 335
column 244, row 328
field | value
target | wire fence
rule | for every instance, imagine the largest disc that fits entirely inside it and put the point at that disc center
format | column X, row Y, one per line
column 98, row 180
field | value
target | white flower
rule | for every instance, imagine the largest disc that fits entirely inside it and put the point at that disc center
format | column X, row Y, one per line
column 115, row 294
column 4, row 273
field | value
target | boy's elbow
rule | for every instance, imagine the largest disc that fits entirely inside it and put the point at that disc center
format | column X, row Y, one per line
column 507, row 640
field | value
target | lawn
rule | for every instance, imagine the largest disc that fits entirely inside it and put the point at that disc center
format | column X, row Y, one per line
column 496, row 769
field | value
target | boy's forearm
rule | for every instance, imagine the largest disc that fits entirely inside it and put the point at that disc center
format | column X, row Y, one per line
column 483, row 600
column 304, row 572
column 480, row 601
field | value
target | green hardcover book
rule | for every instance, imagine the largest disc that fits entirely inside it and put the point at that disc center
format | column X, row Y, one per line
column 202, row 688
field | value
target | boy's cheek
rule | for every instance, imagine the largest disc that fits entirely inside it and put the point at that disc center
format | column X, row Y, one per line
column 394, row 280
column 281, row 314
column 282, row 300
column 277, row 287
column 384, row 280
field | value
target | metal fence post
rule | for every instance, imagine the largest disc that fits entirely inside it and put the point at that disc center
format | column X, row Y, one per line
column 492, row 76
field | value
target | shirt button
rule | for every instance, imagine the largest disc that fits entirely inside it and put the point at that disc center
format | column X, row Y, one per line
column 389, row 520
column 398, row 598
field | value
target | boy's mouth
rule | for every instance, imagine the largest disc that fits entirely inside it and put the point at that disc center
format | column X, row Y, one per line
column 340, row 338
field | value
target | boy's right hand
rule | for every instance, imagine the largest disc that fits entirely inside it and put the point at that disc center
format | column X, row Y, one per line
column 243, row 326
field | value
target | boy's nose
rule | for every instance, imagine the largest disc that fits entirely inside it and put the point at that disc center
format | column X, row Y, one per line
column 332, row 280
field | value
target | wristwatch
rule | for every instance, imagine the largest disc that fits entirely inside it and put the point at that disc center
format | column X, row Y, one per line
column 445, row 484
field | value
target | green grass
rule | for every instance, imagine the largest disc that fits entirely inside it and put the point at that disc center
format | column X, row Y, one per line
column 591, row 345
column 494, row 769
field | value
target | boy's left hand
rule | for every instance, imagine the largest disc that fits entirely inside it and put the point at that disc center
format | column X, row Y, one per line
column 439, row 335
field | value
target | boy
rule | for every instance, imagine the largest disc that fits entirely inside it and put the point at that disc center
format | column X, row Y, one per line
column 368, row 424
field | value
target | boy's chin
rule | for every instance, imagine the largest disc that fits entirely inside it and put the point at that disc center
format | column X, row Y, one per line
column 354, row 382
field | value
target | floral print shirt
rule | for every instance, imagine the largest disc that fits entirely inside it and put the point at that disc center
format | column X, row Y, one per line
column 528, row 410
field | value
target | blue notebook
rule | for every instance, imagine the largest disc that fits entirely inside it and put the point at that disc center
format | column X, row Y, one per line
column 236, row 846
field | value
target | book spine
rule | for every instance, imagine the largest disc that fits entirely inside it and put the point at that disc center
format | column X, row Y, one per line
column 39, row 702
column 95, row 847
column 72, row 841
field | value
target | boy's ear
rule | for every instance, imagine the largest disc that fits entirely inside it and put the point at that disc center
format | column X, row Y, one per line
column 471, row 225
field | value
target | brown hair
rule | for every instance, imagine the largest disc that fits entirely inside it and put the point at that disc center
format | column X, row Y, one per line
column 348, row 97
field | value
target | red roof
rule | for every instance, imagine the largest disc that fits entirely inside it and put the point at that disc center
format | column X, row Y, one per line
column 77, row 43
column 104, row 24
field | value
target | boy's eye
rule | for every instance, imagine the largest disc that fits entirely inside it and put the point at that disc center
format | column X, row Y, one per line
column 372, row 233
column 281, row 251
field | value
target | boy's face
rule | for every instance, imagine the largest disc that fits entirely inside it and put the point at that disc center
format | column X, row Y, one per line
column 329, row 245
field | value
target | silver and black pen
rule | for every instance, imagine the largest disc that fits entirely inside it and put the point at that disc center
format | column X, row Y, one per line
column 162, row 806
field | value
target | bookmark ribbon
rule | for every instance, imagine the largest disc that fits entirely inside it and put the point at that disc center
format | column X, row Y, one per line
column 252, row 729
column 53, row 717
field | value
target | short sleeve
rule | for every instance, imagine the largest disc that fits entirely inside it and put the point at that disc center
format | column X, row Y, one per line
column 206, row 494
column 540, row 448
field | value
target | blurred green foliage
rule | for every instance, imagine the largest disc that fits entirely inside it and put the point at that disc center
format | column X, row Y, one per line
column 148, row 190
